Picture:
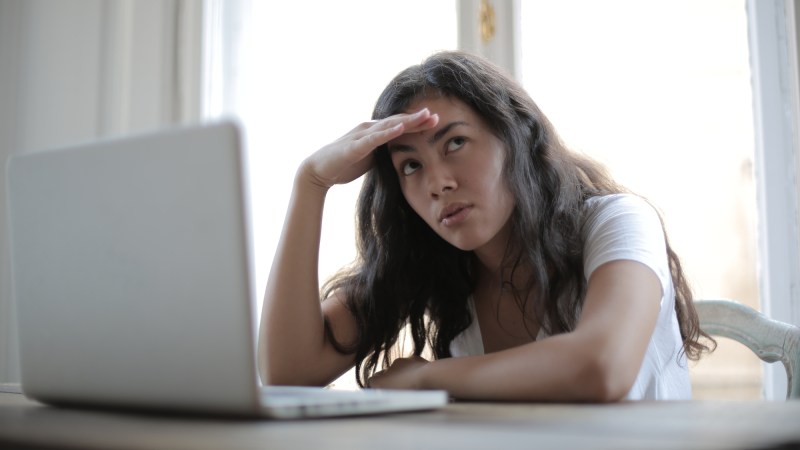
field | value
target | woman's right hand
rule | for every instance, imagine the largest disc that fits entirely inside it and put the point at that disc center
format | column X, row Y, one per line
column 350, row 156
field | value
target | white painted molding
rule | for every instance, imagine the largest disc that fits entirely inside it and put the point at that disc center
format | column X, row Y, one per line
column 775, row 115
column 793, row 24
column 10, row 24
column 503, row 47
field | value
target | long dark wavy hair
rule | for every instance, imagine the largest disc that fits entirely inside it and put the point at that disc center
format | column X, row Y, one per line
column 408, row 276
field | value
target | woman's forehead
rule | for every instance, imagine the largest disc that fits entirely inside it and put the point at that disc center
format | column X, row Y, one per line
column 442, row 105
column 421, row 100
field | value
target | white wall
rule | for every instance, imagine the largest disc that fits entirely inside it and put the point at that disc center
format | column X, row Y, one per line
column 74, row 70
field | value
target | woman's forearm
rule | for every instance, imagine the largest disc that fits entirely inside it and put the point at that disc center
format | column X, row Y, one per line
column 553, row 369
column 291, row 337
column 598, row 361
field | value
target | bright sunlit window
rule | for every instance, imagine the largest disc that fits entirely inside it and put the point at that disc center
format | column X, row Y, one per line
column 660, row 92
column 307, row 78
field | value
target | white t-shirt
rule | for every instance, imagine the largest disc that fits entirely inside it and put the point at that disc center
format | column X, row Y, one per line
column 625, row 227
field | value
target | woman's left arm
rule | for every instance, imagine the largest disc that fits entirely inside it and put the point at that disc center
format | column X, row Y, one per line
column 596, row 362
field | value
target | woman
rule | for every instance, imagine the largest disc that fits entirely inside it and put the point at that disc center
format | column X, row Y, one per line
column 522, row 267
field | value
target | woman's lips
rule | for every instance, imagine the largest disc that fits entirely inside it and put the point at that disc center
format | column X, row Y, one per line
column 454, row 214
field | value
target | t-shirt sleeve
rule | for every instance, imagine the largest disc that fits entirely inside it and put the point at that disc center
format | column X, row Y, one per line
column 625, row 227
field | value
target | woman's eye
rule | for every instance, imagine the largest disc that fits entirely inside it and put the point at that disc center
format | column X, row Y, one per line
column 409, row 167
column 455, row 144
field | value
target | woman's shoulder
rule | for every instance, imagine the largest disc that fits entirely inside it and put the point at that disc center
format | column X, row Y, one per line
column 619, row 207
column 624, row 226
column 621, row 200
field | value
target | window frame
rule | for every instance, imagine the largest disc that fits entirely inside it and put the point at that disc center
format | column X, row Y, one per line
column 773, row 50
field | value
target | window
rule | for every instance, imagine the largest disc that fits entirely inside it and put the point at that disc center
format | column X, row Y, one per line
column 667, row 105
column 303, row 79
column 659, row 91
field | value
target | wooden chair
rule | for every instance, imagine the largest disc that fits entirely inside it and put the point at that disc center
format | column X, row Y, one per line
column 770, row 339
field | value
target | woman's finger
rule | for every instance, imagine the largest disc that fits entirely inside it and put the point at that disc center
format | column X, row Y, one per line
column 352, row 155
column 409, row 121
column 383, row 133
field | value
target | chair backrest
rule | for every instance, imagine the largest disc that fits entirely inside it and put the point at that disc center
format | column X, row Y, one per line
column 770, row 339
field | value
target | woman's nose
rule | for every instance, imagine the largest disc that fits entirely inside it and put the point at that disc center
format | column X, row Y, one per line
column 441, row 179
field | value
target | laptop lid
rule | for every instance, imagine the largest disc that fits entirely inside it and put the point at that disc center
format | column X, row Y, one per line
column 132, row 274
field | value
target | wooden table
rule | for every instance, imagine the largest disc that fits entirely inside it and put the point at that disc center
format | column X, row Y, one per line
column 650, row 425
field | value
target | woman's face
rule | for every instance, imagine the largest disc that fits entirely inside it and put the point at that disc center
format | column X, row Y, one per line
column 452, row 176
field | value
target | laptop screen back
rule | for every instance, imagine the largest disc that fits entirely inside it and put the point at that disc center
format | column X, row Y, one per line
column 131, row 271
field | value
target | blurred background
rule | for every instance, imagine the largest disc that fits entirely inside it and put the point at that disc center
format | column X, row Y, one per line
column 661, row 92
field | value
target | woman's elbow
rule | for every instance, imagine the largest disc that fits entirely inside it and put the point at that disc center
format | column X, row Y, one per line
column 274, row 371
column 604, row 381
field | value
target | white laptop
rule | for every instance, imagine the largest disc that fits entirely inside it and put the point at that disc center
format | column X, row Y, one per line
column 133, row 279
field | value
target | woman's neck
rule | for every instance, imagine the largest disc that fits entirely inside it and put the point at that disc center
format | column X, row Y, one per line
column 492, row 255
column 498, row 270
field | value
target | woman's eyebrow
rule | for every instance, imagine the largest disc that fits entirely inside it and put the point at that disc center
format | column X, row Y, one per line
column 440, row 133
column 444, row 130
column 400, row 148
